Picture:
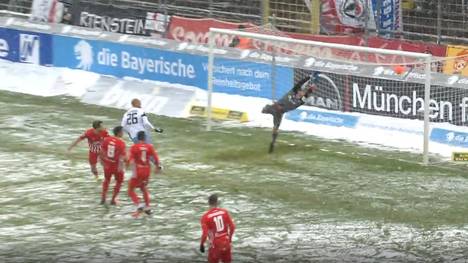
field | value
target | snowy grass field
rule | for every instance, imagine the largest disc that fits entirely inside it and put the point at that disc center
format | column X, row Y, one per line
column 314, row 199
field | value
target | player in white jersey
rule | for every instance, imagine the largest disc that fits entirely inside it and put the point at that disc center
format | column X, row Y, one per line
column 135, row 120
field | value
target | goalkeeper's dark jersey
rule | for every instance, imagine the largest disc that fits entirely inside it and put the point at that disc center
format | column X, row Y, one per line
column 290, row 101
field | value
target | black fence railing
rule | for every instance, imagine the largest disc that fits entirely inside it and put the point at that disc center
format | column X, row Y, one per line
column 440, row 21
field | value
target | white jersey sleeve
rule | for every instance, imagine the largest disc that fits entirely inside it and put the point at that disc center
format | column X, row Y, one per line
column 135, row 120
column 146, row 122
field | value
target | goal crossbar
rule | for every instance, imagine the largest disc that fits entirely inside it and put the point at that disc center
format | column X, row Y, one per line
column 319, row 44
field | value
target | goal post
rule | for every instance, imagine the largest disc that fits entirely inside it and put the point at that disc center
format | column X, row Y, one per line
column 301, row 55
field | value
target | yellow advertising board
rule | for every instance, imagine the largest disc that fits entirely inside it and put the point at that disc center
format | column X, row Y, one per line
column 459, row 63
column 220, row 113
column 460, row 156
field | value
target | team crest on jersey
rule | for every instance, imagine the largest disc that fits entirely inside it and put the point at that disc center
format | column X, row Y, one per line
column 84, row 54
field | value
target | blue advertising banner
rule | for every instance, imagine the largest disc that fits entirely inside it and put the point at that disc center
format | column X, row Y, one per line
column 129, row 61
column 449, row 137
column 230, row 76
column 324, row 118
column 26, row 47
column 251, row 79
column 8, row 44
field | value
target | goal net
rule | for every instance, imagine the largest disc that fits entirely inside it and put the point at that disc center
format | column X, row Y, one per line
column 352, row 79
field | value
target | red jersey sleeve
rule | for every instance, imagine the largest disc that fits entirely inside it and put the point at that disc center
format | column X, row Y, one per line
column 85, row 135
column 130, row 155
column 103, row 151
column 204, row 227
column 155, row 155
column 122, row 149
column 230, row 224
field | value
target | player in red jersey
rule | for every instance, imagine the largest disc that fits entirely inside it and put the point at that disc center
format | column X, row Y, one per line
column 218, row 227
column 140, row 155
column 95, row 136
column 113, row 157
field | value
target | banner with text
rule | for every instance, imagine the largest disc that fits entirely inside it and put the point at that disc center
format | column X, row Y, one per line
column 323, row 118
column 110, row 18
column 129, row 61
column 450, row 137
column 25, row 46
column 399, row 99
column 230, row 76
column 194, row 30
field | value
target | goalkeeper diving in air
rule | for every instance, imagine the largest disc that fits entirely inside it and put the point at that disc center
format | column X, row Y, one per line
column 296, row 97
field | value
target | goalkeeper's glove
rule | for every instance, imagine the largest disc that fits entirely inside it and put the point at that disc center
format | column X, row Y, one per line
column 158, row 130
column 202, row 248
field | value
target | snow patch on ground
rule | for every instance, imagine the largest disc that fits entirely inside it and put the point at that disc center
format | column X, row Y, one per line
column 372, row 131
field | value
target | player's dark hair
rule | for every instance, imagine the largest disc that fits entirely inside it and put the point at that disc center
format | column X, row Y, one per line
column 241, row 27
column 141, row 136
column 97, row 124
column 117, row 130
column 213, row 200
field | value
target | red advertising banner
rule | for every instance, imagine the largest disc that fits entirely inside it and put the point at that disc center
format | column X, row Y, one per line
column 405, row 45
column 347, row 40
column 377, row 42
column 196, row 30
column 374, row 42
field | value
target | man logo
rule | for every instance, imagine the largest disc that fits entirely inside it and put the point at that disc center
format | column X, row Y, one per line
column 328, row 96
column 29, row 49
column 84, row 54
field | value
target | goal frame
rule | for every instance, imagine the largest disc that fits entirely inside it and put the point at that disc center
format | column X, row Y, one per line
column 426, row 58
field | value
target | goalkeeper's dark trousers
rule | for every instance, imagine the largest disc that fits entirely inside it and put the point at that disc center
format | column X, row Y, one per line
column 277, row 111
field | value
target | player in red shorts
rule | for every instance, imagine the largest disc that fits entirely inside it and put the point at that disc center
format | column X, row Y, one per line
column 218, row 227
column 140, row 155
column 113, row 158
column 95, row 136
